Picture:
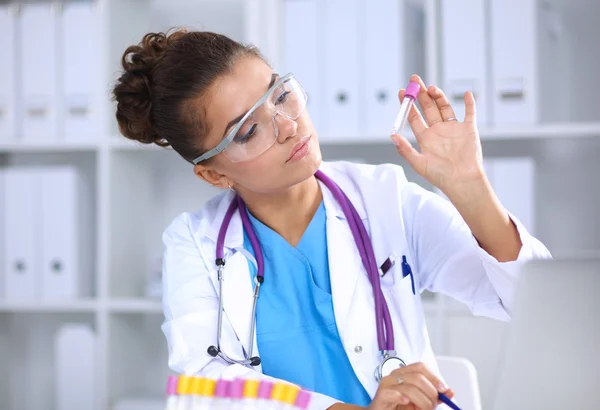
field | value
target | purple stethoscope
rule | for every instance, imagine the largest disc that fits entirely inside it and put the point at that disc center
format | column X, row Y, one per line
column 385, row 331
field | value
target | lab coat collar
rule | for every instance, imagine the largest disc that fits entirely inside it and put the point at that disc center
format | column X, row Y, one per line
column 235, row 233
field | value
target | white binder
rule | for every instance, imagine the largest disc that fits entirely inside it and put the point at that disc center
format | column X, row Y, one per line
column 344, row 34
column 76, row 363
column 513, row 180
column 38, row 71
column 8, row 92
column 81, row 68
column 514, row 58
column 464, row 55
column 384, row 75
column 64, row 234
column 2, row 234
column 21, row 236
column 302, row 54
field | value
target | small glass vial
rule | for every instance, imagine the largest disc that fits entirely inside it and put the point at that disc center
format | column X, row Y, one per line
column 410, row 95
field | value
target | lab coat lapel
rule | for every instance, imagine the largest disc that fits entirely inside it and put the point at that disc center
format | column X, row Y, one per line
column 345, row 264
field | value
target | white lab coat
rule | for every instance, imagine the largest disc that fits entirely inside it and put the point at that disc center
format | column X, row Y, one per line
column 401, row 218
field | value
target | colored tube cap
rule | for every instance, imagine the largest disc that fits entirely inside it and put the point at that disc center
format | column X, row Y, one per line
column 251, row 388
column 184, row 385
column 264, row 389
column 222, row 388
column 412, row 90
column 303, row 399
column 206, row 387
column 172, row 385
column 195, row 384
column 284, row 392
column 236, row 388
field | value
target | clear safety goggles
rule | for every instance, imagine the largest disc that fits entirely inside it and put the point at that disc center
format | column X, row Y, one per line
column 257, row 131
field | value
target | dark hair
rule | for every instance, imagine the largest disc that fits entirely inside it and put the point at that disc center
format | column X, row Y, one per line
column 165, row 76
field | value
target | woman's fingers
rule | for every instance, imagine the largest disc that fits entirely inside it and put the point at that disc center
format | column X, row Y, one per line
column 424, row 370
column 430, row 110
column 442, row 103
column 417, row 397
column 470, row 112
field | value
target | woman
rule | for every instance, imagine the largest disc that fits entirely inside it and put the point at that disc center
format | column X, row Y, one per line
column 318, row 316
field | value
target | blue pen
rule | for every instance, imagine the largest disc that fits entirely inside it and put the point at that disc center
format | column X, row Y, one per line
column 406, row 270
column 444, row 399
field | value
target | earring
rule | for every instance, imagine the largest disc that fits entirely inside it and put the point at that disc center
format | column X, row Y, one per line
column 230, row 187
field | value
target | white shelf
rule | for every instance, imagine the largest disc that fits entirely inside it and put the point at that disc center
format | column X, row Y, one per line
column 135, row 306
column 489, row 133
column 30, row 146
column 59, row 306
column 542, row 131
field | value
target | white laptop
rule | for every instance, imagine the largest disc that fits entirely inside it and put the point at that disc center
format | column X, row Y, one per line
column 551, row 357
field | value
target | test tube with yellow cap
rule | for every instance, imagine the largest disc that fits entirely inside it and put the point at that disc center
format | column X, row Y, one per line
column 184, row 392
column 203, row 390
column 284, row 396
column 249, row 399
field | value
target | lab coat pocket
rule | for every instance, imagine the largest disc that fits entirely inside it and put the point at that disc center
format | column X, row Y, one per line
column 406, row 318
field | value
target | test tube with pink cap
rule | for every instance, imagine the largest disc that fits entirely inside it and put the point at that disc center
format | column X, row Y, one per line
column 410, row 95
column 302, row 400
column 171, row 393
column 221, row 396
column 264, row 394
column 236, row 393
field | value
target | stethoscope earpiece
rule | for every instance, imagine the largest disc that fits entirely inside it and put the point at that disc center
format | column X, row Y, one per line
column 213, row 351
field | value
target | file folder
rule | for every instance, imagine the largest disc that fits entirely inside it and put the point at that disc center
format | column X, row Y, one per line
column 64, row 233
column 465, row 60
column 38, row 51
column 8, row 92
column 513, row 180
column 81, row 70
column 303, row 33
column 76, row 363
column 514, row 58
column 384, row 53
column 21, row 237
column 343, row 72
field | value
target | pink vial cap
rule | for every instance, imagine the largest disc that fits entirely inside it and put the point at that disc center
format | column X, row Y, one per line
column 412, row 90
column 236, row 388
column 222, row 388
column 172, row 385
column 264, row 389
column 303, row 399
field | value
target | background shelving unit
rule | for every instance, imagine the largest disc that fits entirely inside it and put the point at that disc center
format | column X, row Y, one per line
column 138, row 190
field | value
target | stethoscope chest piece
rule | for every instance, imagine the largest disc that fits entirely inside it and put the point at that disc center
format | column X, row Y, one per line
column 387, row 366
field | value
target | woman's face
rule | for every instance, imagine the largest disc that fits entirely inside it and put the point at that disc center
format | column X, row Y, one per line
column 276, row 169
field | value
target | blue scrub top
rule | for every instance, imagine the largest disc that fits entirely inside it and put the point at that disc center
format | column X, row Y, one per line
column 296, row 330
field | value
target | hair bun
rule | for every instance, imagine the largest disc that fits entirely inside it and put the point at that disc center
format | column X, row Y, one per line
column 133, row 91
